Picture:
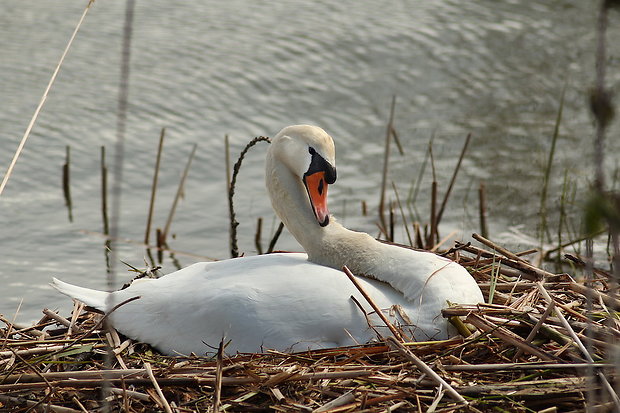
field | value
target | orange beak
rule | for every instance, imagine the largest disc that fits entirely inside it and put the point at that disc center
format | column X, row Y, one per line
column 316, row 185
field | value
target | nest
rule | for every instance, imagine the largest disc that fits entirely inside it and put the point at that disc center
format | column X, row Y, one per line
column 543, row 344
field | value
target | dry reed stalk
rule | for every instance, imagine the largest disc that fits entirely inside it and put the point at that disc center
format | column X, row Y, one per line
column 104, row 193
column 427, row 370
column 386, row 158
column 22, row 143
column 482, row 203
column 180, row 190
column 162, row 399
column 453, row 179
column 374, row 306
column 217, row 403
column 258, row 236
column 66, row 179
column 149, row 219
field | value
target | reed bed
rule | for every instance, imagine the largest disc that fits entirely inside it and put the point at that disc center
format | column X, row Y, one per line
column 541, row 343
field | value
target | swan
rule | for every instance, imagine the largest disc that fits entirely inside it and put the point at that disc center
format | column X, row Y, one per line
column 292, row 301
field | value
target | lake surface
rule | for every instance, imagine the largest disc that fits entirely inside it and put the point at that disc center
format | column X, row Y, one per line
column 495, row 69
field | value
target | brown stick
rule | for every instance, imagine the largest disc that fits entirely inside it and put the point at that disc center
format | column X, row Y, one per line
column 217, row 394
column 372, row 303
column 405, row 352
column 507, row 336
column 162, row 398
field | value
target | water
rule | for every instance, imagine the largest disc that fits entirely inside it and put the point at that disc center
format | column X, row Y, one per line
column 495, row 69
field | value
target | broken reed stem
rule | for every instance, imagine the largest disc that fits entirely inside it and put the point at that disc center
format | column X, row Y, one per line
column 162, row 398
column 258, row 236
column 482, row 197
column 374, row 306
column 405, row 352
column 149, row 219
column 276, row 235
column 104, row 193
column 386, row 159
column 22, row 143
column 234, row 248
column 180, row 191
column 497, row 248
column 453, row 179
column 217, row 393
column 532, row 334
column 66, row 179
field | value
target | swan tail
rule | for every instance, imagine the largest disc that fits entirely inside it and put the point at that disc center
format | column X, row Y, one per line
column 92, row 298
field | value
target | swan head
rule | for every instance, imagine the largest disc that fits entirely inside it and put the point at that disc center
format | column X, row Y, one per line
column 308, row 153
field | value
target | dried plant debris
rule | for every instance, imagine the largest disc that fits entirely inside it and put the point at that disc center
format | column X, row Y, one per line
column 544, row 342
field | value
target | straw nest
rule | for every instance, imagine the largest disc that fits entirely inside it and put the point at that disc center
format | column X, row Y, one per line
column 544, row 344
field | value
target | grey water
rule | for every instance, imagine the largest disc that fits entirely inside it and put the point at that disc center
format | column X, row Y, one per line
column 203, row 70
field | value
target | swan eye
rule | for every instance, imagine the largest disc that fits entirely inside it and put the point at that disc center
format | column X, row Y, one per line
column 311, row 150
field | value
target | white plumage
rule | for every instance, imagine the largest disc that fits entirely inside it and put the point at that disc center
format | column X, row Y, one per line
column 291, row 302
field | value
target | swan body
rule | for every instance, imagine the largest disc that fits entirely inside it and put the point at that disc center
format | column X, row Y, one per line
column 292, row 302
column 277, row 301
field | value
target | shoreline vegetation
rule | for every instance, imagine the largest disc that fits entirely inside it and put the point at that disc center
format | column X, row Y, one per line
column 545, row 340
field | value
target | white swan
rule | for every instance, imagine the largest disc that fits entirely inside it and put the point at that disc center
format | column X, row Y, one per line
column 292, row 302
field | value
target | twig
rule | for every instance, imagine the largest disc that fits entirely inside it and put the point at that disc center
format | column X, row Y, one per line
column 217, row 404
column 497, row 248
column 534, row 331
column 374, row 306
column 507, row 336
column 405, row 352
column 162, row 398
